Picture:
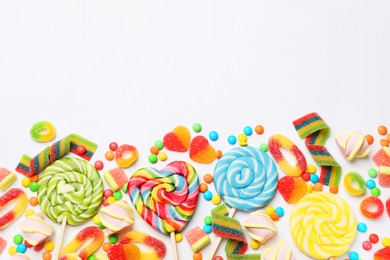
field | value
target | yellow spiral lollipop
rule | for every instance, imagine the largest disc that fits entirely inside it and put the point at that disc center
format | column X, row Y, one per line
column 323, row 225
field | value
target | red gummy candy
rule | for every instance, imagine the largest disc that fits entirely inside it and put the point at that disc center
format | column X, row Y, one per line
column 372, row 203
column 124, row 252
column 388, row 206
column 382, row 254
column 178, row 140
column 201, row 151
column 3, row 244
column 292, row 189
column 382, row 157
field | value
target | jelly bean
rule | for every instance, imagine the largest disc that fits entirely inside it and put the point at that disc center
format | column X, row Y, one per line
column 274, row 216
column 248, row 130
column 232, row 139
column 213, row 135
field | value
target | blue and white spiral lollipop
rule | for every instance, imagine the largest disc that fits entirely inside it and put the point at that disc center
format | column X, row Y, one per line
column 246, row 178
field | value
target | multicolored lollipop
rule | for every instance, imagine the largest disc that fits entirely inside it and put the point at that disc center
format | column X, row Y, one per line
column 246, row 179
column 70, row 191
column 165, row 199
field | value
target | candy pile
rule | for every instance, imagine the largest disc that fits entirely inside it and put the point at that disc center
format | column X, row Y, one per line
column 247, row 176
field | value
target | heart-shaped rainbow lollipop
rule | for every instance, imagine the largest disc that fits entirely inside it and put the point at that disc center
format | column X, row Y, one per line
column 165, row 199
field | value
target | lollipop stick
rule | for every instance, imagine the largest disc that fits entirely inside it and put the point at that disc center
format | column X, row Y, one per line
column 219, row 239
column 59, row 246
column 174, row 246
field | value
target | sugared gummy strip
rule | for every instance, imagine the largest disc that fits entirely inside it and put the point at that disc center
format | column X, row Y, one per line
column 30, row 166
column 315, row 131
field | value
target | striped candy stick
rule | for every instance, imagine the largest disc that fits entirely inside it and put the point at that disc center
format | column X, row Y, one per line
column 315, row 131
column 29, row 166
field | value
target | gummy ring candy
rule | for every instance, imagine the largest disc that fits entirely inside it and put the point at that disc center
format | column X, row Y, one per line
column 157, row 247
column 278, row 141
column 372, row 207
column 126, row 155
column 350, row 179
column 43, row 131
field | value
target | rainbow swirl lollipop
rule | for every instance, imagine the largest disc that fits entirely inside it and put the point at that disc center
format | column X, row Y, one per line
column 165, row 199
column 246, row 178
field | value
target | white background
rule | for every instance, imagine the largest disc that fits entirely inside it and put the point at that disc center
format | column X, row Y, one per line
column 131, row 71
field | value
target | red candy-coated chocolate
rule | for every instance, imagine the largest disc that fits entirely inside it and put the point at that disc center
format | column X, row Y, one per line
column 108, row 193
column 113, row 146
column 374, row 238
column 382, row 254
column 367, row 245
column 305, row 176
column 80, row 150
column 98, row 165
column 372, row 203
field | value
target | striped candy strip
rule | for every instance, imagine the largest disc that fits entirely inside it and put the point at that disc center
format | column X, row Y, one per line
column 29, row 166
column 227, row 227
column 315, row 131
